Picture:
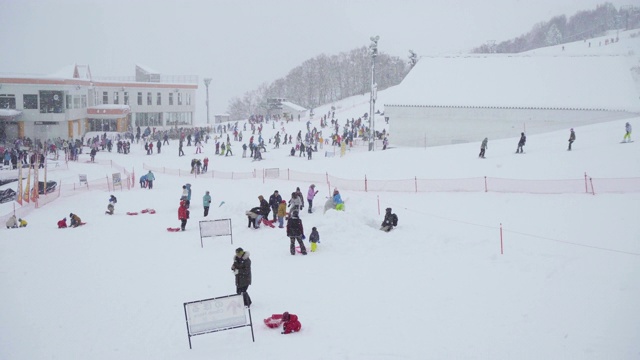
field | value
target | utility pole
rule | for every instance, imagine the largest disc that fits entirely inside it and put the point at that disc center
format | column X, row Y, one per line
column 207, row 81
column 373, row 50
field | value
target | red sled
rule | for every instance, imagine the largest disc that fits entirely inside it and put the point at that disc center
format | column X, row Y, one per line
column 170, row 229
column 268, row 223
column 274, row 321
column 151, row 211
column 144, row 211
column 132, row 213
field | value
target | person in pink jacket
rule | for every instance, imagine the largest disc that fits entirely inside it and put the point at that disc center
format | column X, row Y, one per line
column 310, row 195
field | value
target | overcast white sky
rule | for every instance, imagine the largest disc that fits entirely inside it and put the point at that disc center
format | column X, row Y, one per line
column 243, row 43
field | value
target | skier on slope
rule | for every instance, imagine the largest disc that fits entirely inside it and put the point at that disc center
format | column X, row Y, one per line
column 521, row 142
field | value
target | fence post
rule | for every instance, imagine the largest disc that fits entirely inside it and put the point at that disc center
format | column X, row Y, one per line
column 365, row 183
column 415, row 182
column 288, row 175
column 586, row 188
column 501, row 242
column 108, row 187
column 486, row 189
column 593, row 191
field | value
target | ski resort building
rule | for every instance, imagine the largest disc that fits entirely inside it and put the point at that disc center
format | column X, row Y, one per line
column 72, row 102
column 459, row 99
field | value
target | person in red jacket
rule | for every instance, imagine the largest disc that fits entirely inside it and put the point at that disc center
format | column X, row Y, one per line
column 183, row 214
column 62, row 223
column 290, row 323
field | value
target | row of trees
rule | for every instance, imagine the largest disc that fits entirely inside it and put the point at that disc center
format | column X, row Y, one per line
column 325, row 79
column 583, row 25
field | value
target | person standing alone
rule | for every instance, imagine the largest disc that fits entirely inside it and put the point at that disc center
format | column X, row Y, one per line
column 572, row 138
column 242, row 269
column 206, row 201
column 483, row 147
column 521, row 142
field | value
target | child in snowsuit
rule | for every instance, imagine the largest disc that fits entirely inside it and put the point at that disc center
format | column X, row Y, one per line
column 290, row 324
column 314, row 239
column 22, row 223
column 627, row 135
column 183, row 214
column 282, row 212
column 62, row 223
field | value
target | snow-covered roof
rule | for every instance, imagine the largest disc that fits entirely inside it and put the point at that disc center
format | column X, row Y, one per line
column 293, row 106
column 147, row 69
column 110, row 107
column 520, row 81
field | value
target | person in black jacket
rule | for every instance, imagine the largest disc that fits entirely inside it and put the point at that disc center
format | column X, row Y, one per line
column 295, row 232
column 523, row 140
column 265, row 209
column 390, row 220
column 274, row 201
column 242, row 269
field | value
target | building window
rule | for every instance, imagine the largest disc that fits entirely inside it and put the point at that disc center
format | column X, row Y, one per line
column 29, row 101
column 77, row 102
column 159, row 101
column 69, row 102
column 187, row 98
column 51, row 102
column 170, row 98
column 178, row 118
column 95, row 98
column 148, row 119
column 116, row 97
column 179, row 98
column 84, row 101
column 105, row 97
column 149, row 99
column 139, row 98
column 7, row 101
column 126, row 98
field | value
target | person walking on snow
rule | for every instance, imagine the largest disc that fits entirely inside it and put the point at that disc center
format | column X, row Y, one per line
column 572, row 138
column 311, row 193
column 150, row 179
column 274, row 202
column 242, row 269
column 483, row 147
column 183, row 215
column 295, row 232
column 627, row 135
column 206, row 201
column 521, row 142
column 314, row 239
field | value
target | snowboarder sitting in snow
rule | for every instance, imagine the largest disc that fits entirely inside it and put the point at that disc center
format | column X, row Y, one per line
column 22, row 223
column 75, row 220
column 289, row 321
column 390, row 220
column 62, row 223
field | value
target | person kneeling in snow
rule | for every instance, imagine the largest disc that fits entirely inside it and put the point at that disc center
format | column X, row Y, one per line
column 390, row 220
column 62, row 223
column 289, row 321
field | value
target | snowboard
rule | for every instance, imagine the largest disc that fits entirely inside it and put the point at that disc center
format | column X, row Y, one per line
column 170, row 229
column 132, row 213
column 268, row 223
column 82, row 223
column 626, row 142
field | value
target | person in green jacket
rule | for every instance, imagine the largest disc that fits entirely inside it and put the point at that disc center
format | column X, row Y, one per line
column 206, row 201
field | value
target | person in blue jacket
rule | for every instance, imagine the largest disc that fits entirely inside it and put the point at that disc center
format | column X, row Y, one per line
column 143, row 181
column 206, row 201
column 150, row 179
column 337, row 200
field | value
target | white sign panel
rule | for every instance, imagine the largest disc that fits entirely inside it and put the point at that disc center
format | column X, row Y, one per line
column 215, row 314
column 116, row 179
column 215, row 228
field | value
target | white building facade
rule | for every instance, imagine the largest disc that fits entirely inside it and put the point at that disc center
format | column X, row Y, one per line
column 68, row 107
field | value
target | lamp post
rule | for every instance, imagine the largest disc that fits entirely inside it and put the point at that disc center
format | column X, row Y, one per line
column 207, row 81
column 373, row 51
